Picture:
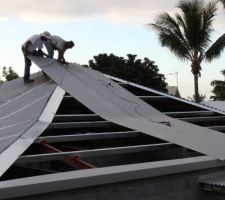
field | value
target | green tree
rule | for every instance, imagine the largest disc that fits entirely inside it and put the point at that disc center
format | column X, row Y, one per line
column 202, row 97
column 9, row 74
column 187, row 35
column 218, row 89
column 143, row 72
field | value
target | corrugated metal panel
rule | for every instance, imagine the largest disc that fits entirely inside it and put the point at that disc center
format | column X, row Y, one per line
column 187, row 101
column 216, row 104
column 21, row 105
column 217, row 179
column 115, row 104
column 23, row 115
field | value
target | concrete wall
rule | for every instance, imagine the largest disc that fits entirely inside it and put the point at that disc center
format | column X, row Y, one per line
column 182, row 186
column 214, row 196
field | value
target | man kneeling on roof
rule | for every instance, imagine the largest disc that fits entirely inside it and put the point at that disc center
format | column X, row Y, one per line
column 33, row 46
column 57, row 43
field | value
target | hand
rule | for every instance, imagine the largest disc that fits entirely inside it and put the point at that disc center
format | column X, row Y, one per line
column 63, row 62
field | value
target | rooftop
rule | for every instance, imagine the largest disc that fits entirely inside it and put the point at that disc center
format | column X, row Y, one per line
column 74, row 137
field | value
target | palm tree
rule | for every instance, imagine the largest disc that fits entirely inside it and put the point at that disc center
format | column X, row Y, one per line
column 202, row 98
column 218, row 89
column 187, row 35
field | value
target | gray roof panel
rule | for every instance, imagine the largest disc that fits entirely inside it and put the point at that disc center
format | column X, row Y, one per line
column 20, row 109
column 217, row 179
column 21, row 106
column 115, row 104
column 215, row 104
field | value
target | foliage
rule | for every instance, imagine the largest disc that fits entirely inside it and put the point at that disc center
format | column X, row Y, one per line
column 202, row 98
column 219, row 89
column 143, row 72
column 9, row 74
column 187, row 35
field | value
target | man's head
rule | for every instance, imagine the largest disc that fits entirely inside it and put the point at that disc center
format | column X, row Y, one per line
column 69, row 44
column 45, row 36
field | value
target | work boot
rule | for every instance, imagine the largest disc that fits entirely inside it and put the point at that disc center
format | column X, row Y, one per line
column 28, row 81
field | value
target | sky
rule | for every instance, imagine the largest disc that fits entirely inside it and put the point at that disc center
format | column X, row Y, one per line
column 103, row 26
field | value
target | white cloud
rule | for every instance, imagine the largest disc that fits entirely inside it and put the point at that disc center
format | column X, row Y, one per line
column 47, row 9
column 130, row 11
column 125, row 10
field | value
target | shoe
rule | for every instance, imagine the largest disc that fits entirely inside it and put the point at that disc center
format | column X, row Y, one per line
column 28, row 81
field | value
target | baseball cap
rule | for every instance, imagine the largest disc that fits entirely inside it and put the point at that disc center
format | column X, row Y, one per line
column 46, row 34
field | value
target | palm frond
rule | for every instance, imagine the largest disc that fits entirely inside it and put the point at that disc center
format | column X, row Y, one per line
column 171, row 36
column 196, row 18
column 191, row 14
column 218, row 83
column 216, row 49
column 206, row 26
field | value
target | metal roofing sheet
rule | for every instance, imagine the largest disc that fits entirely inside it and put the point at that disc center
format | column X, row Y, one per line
column 216, row 104
column 21, row 106
column 115, row 104
column 217, row 179
column 187, row 101
column 40, row 115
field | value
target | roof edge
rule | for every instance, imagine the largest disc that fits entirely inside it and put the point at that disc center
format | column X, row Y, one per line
column 107, row 175
column 167, row 95
column 15, row 150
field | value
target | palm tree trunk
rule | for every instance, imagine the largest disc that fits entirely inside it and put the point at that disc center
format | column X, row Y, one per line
column 196, row 95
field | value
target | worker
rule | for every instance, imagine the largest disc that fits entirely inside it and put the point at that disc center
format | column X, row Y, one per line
column 57, row 43
column 33, row 46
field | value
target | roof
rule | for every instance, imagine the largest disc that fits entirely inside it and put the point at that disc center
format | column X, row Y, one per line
column 215, row 104
column 20, row 108
column 115, row 104
column 72, row 139
column 214, row 182
column 216, row 179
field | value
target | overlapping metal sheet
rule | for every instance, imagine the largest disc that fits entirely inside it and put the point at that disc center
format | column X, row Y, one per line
column 220, row 105
column 217, row 178
column 115, row 104
column 21, row 106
